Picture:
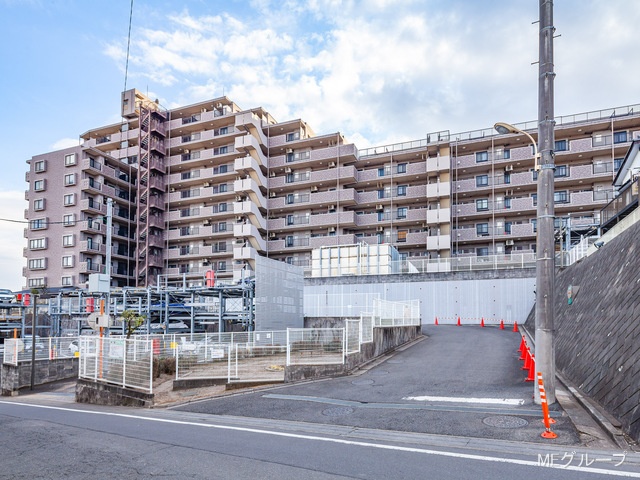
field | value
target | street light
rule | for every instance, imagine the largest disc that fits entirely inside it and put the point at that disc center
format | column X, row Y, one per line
column 503, row 128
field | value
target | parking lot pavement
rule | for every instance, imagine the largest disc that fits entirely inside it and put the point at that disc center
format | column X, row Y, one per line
column 462, row 381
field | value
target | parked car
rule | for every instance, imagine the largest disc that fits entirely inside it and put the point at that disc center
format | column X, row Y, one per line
column 6, row 296
column 28, row 341
column 74, row 347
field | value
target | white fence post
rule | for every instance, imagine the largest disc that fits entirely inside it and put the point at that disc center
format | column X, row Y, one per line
column 288, row 349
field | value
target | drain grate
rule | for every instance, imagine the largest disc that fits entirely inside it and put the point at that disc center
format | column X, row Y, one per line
column 505, row 421
column 337, row 411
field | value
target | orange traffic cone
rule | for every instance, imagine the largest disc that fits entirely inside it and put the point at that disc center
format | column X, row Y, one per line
column 501, row 324
column 532, row 367
column 459, row 321
column 436, row 320
column 515, row 326
column 482, row 322
column 527, row 359
column 521, row 347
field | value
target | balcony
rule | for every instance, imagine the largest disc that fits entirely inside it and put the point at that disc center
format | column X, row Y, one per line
column 248, row 122
column 321, row 156
column 249, row 187
column 249, row 145
column 251, row 233
column 92, row 247
column 252, row 212
column 344, row 197
column 93, row 206
column 323, row 178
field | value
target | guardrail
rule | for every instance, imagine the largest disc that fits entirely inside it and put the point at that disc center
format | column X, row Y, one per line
column 17, row 350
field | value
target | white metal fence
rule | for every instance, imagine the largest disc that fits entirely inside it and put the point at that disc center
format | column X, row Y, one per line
column 119, row 361
column 394, row 314
column 353, row 336
column 315, row 346
column 18, row 350
column 366, row 329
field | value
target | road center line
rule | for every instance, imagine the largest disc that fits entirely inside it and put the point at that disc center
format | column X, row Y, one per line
column 487, row 401
column 381, row 446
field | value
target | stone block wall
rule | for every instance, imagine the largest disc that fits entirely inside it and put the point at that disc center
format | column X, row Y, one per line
column 597, row 336
column 16, row 377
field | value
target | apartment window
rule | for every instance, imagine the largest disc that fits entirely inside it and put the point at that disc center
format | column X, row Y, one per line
column 38, row 204
column 222, row 207
column 482, row 252
column 37, row 264
column 617, row 163
column 402, row 168
column 67, row 261
column 381, row 193
column 38, row 224
column 402, row 212
column 289, row 241
column 36, row 282
column 221, row 131
column 402, row 190
column 70, row 159
column 40, row 166
column 69, row 199
column 290, row 198
column 39, row 185
column 221, row 150
column 70, row 179
column 561, row 197
column 534, row 222
column 482, row 205
column 68, row 241
column 293, row 136
column 402, row 236
column 619, row 137
column 381, row 172
column 561, row 146
column 534, row 196
column 561, row 171
column 507, row 178
column 37, row 243
column 507, row 202
column 482, row 180
column 506, row 154
column 67, row 281
column 290, row 220
column 482, row 157
column 222, row 266
column 68, row 220
column 507, row 227
column 482, row 229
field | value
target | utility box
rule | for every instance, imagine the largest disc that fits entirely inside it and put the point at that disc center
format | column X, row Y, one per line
column 99, row 283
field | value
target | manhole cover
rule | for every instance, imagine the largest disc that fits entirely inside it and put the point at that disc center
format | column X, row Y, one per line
column 337, row 411
column 378, row 372
column 505, row 421
column 362, row 381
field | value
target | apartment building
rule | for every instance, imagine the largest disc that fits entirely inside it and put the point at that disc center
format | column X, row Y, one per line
column 494, row 188
column 211, row 186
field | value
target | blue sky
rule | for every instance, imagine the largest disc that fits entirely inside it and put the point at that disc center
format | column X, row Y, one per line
column 378, row 71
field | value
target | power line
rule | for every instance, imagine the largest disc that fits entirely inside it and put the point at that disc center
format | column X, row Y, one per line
column 126, row 68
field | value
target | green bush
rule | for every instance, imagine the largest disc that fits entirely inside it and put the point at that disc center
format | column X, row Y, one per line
column 164, row 365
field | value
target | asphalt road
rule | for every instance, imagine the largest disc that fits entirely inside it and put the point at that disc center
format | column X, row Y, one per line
column 465, row 363
column 40, row 441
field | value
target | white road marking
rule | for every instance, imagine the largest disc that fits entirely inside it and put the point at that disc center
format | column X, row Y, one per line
column 489, row 401
column 381, row 446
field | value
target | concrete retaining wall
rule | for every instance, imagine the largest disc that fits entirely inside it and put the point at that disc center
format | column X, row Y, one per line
column 597, row 339
column 16, row 377
column 98, row 393
column 384, row 340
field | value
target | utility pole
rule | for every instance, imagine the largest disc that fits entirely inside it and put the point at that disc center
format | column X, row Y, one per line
column 545, row 244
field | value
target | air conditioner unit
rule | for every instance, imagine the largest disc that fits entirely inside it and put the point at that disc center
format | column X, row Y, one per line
column 509, row 242
column 238, row 198
column 289, row 150
column 272, row 194
column 379, row 207
column 380, row 229
column 186, row 150
column 272, row 174
column 239, row 242
column 314, row 189
column 332, row 207
column 332, row 229
column 425, row 225
column 287, row 170
column 332, row 164
column 172, row 189
column 508, row 168
column 509, row 192
column 206, row 223
column 219, row 105
column 203, row 110
column 239, row 218
column 272, row 234
column 206, row 184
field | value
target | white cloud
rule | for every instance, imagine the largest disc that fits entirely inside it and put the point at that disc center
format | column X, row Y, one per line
column 12, row 205
column 384, row 70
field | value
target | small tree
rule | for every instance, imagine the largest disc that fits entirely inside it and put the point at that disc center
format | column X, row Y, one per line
column 131, row 321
